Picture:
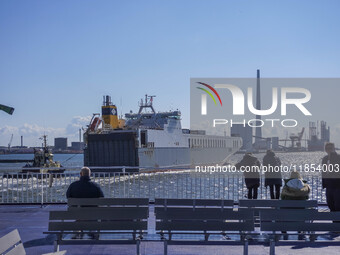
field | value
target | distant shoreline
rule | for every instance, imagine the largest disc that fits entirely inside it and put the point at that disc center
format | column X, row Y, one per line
column 54, row 152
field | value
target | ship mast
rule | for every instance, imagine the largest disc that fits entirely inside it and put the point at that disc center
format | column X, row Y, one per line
column 44, row 138
column 147, row 104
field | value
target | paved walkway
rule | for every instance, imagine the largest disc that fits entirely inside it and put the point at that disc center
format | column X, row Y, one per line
column 32, row 221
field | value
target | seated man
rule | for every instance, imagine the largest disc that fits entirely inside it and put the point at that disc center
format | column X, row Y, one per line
column 84, row 188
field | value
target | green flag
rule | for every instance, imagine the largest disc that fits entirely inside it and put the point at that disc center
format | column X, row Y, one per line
column 7, row 109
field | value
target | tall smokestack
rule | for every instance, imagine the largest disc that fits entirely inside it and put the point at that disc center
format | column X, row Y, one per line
column 80, row 135
column 22, row 141
column 258, row 130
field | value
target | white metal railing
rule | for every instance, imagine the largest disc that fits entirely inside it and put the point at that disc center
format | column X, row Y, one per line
column 173, row 183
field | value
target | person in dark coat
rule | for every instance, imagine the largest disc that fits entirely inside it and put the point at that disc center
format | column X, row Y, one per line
column 273, row 177
column 250, row 166
column 84, row 188
column 331, row 178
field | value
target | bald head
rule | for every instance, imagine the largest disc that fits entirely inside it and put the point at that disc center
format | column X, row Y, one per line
column 85, row 171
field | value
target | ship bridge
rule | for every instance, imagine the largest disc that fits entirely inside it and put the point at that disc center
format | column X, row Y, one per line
column 149, row 118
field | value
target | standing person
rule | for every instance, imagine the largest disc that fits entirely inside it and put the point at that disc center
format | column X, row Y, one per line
column 251, row 170
column 330, row 177
column 273, row 177
column 84, row 188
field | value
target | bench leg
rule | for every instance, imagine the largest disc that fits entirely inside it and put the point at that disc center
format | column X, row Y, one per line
column 272, row 247
column 165, row 247
column 56, row 246
column 138, row 247
column 245, row 247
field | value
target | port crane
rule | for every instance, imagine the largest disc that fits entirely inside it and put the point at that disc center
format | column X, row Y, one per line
column 295, row 139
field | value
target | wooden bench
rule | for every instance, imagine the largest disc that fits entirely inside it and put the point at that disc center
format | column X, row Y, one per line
column 98, row 217
column 312, row 221
column 11, row 244
column 201, row 218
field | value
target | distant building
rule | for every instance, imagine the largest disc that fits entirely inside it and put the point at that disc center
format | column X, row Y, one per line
column 60, row 143
column 246, row 133
column 275, row 143
column 77, row 146
column 316, row 142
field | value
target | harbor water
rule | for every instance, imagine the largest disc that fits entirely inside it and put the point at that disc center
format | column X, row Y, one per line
column 176, row 183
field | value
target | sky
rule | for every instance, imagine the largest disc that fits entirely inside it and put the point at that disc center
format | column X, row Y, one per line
column 58, row 58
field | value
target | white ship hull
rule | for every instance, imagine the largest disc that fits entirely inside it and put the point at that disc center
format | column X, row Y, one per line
column 182, row 157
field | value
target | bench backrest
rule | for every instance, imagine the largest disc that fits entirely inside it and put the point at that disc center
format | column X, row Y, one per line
column 99, row 218
column 135, row 202
column 260, row 205
column 167, row 202
column 202, row 219
column 12, row 244
column 299, row 220
column 101, row 214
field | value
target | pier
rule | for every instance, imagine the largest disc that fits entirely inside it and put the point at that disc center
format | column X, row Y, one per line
column 27, row 199
column 32, row 221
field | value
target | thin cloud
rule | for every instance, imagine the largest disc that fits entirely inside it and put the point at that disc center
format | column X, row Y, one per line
column 32, row 132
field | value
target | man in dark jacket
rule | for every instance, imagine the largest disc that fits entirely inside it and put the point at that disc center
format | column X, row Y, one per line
column 331, row 178
column 250, row 166
column 84, row 188
column 273, row 177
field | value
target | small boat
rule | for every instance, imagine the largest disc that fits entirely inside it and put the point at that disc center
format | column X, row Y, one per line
column 43, row 161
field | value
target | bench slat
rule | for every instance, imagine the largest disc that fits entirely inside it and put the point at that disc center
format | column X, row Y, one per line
column 196, row 202
column 278, row 203
column 17, row 250
column 100, row 213
column 299, row 226
column 298, row 214
column 9, row 240
column 91, row 225
column 108, row 201
column 55, row 253
column 202, row 214
column 208, row 226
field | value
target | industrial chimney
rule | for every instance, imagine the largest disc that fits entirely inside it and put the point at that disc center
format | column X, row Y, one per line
column 258, row 130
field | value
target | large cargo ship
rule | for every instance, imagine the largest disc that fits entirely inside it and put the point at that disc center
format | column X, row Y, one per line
column 150, row 139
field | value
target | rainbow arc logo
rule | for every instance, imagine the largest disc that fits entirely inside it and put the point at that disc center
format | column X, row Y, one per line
column 209, row 93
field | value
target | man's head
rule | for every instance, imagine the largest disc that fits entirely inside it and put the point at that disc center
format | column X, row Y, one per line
column 270, row 153
column 85, row 171
column 329, row 148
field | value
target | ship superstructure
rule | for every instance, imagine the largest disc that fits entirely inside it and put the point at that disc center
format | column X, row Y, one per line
column 152, row 139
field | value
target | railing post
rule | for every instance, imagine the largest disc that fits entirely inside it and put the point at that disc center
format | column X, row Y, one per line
column 42, row 189
column 124, row 182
